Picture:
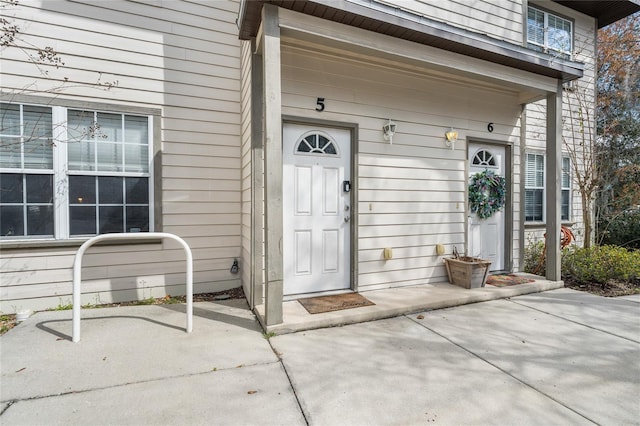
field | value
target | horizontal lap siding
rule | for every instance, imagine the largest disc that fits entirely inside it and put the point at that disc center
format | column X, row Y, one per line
column 584, row 89
column 184, row 59
column 245, row 269
column 411, row 195
column 497, row 19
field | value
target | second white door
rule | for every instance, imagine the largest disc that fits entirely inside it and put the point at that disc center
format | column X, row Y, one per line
column 487, row 236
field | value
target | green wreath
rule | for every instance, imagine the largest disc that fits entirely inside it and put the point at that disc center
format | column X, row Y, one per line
column 486, row 193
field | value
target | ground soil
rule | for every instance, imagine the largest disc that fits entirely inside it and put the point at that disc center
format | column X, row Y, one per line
column 7, row 322
column 612, row 288
column 234, row 293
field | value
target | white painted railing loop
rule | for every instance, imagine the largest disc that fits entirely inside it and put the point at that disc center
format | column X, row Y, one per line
column 77, row 272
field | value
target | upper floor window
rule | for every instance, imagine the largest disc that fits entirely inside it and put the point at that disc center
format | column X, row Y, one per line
column 549, row 33
column 67, row 173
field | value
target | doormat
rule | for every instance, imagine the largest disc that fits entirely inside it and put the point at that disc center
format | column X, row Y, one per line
column 503, row 280
column 336, row 302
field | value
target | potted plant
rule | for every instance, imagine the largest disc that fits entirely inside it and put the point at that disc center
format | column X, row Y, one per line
column 467, row 271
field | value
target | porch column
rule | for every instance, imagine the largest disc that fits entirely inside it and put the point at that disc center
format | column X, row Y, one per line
column 553, row 174
column 257, row 177
column 272, row 164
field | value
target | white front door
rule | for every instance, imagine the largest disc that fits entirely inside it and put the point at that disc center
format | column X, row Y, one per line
column 486, row 236
column 316, row 208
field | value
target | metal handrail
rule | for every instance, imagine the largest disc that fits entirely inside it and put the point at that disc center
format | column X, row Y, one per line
column 77, row 271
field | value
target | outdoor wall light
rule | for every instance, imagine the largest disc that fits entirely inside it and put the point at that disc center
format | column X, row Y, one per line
column 452, row 137
column 389, row 130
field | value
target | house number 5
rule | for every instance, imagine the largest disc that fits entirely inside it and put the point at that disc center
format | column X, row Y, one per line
column 490, row 127
column 320, row 105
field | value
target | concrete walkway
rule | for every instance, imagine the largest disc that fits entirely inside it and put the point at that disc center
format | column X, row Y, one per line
column 559, row 357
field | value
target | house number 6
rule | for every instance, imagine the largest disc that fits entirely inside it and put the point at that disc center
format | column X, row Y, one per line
column 490, row 127
column 320, row 105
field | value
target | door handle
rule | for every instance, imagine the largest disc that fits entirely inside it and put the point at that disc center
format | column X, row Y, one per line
column 347, row 218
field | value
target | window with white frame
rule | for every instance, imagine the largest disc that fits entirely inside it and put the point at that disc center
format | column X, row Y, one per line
column 534, row 197
column 549, row 33
column 68, row 172
column 565, row 203
column 534, row 188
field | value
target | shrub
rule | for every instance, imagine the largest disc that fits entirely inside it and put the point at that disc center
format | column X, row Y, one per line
column 601, row 264
column 597, row 264
column 532, row 256
column 622, row 230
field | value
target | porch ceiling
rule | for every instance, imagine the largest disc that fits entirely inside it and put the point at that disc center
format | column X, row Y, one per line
column 407, row 26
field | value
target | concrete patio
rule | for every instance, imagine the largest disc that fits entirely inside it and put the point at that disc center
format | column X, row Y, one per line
column 557, row 357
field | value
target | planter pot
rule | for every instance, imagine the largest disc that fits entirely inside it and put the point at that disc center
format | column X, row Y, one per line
column 467, row 272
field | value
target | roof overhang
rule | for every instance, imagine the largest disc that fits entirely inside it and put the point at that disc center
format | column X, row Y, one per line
column 401, row 24
column 605, row 12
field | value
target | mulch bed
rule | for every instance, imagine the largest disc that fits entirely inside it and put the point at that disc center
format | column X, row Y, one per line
column 7, row 322
column 234, row 293
column 610, row 289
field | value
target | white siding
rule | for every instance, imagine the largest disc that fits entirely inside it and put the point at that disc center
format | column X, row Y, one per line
column 584, row 94
column 182, row 58
column 246, row 167
column 498, row 19
column 412, row 194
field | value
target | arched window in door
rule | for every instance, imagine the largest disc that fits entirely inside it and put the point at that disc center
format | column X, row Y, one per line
column 316, row 143
column 484, row 158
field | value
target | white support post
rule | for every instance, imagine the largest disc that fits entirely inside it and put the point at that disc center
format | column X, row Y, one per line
column 257, row 176
column 77, row 272
column 273, row 163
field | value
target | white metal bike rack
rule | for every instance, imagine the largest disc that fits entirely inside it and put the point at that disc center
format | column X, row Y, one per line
column 77, row 272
